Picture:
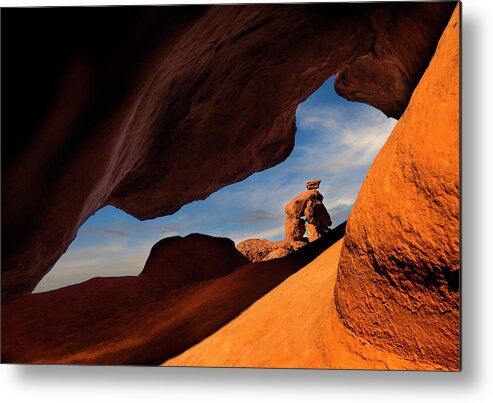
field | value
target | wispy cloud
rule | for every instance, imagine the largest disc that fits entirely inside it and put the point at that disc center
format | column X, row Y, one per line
column 106, row 231
column 319, row 118
column 348, row 144
column 254, row 216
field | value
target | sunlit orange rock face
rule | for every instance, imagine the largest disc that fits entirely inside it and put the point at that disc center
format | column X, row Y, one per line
column 398, row 279
column 174, row 103
column 293, row 326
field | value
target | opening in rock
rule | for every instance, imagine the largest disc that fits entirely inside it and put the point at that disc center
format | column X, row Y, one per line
column 336, row 142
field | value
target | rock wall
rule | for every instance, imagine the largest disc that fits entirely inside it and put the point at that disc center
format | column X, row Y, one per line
column 398, row 276
column 174, row 103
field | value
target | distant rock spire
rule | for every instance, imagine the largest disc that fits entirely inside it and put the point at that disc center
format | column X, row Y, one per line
column 308, row 207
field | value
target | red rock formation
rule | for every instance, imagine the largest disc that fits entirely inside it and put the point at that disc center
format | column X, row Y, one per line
column 178, row 261
column 294, row 326
column 294, row 229
column 308, row 205
column 296, row 207
column 317, row 219
column 313, row 232
column 398, row 280
column 149, row 318
column 110, row 112
column 255, row 249
column 313, row 184
column 258, row 250
column 277, row 254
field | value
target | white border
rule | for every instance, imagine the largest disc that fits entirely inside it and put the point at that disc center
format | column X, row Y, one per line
column 130, row 384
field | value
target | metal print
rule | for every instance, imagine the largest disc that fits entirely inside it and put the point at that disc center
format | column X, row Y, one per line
column 232, row 186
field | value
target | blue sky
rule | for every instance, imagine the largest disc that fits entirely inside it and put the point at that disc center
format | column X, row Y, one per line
column 336, row 141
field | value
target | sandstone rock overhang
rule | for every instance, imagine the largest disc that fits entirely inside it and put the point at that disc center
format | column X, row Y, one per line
column 174, row 103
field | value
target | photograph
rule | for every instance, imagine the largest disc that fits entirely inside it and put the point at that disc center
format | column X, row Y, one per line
column 232, row 185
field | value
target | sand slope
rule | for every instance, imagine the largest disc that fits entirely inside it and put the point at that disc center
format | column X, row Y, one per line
column 294, row 325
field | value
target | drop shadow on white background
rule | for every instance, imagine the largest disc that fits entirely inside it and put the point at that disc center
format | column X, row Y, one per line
column 81, row 377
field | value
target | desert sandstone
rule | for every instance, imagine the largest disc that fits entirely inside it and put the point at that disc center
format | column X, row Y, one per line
column 293, row 326
column 389, row 299
column 398, row 281
column 396, row 298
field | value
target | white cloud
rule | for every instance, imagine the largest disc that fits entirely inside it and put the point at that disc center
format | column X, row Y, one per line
column 319, row 117
column 347, row 146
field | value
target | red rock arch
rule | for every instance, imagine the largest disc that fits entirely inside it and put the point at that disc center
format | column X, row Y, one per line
column 176, row 104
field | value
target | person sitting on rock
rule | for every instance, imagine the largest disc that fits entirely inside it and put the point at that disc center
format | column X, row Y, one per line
column 309, row 205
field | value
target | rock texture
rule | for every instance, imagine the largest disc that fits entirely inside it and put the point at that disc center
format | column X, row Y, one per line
column 313, row 232
column 307, row 206
column 258, row 250
column 313, row 184
column 149, row 318
column 318, row 220
column 111, row 111
column 277, row 254
column 398, row 280
column 294, row 229
column 294, row 326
